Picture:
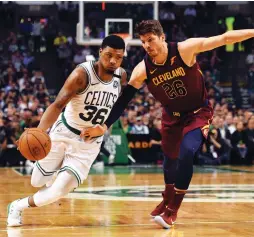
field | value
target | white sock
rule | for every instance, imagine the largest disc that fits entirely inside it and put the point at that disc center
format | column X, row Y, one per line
column 23, row 203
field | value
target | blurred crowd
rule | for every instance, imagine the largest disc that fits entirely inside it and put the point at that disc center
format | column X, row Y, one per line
column 23, row 95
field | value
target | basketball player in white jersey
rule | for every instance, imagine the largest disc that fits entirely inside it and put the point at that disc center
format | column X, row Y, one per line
column 89, row 94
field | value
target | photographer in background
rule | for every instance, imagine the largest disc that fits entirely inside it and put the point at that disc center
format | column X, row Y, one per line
column 215, row 151
column 239, row 142
column 3, row 141
column 155, row 133
column 250, row 134
column 12, row 156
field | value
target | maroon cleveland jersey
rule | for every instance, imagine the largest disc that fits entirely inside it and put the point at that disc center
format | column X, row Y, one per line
column 177, row 86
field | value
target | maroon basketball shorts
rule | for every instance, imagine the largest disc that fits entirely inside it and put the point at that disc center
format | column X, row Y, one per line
column 176, row 125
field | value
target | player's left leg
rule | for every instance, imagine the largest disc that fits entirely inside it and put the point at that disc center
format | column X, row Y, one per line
column 64, row 183
column 190, row 144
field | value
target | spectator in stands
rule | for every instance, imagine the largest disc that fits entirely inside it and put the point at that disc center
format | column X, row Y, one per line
column 250, row 134
column 28, row 59
column 214, row 151
column 60, row 39
column 247, row 115
column 156, row 140
column 36, row 32
column 26, row 121
column 215, row 60
column 139, row 127
column 13, row 47
column 224, row 133
column 79, row 57
column 63, row 54
column 250, row 58
column 178, row 34
column 189, row 18
column 250, row 76
column 11, row 156
column 42, row 93
column 229, row 123
column 38, row 77
column 3, row 140
column 239, row 141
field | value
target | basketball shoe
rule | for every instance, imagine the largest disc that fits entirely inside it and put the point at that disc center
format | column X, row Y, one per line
column 167, row 194
column 14, row 214
column 168, row 218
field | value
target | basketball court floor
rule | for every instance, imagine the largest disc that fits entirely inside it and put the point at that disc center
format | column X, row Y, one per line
column 116, row 202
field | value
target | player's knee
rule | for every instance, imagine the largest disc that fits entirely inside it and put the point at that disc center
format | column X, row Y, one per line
column 187, row 150
column 37, row 183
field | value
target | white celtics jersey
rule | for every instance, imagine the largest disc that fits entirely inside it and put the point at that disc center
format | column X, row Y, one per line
column 93, row 105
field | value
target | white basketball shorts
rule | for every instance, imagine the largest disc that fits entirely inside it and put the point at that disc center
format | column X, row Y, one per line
column 69, row 152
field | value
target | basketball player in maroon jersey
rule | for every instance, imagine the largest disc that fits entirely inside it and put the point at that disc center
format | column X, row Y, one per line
column 174, row 78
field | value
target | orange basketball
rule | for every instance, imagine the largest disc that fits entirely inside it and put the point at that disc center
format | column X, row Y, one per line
column 34, row 144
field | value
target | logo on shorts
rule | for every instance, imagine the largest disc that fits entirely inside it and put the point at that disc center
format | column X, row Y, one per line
column 205, row 130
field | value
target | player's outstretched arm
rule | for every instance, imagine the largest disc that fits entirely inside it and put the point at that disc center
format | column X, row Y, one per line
column 76, row 82
column 136, row 81
column 189, row 48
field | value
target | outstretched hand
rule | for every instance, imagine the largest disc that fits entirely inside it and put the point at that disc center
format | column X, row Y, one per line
column 96, row 131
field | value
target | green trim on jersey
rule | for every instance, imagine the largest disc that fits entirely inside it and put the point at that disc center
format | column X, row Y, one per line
column 72, row 129
column 89, row 80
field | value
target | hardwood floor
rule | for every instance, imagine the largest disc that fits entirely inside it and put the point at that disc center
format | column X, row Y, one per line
column 117, row 201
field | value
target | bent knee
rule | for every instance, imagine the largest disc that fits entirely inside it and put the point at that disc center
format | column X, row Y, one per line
column 37, row 183
column 38, row 179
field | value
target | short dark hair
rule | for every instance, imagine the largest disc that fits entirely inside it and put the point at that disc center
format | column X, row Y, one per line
column 113, row 41
column 149, row 26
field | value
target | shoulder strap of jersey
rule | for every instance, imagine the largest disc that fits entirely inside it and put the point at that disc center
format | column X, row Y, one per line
column 148, row 65
column 89, row 78
column 175, row 52
column 172, row 48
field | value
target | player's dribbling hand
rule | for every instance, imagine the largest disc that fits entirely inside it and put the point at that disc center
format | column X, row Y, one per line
column 96, row 131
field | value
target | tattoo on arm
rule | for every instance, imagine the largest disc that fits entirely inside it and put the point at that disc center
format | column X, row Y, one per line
column 75, row 83
column 63, row 98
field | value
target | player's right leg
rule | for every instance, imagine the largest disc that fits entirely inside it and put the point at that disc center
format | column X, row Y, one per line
column 42, row 173
column 169, row 169
column 44, row 169
column 64, row 183
column 171, row 137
